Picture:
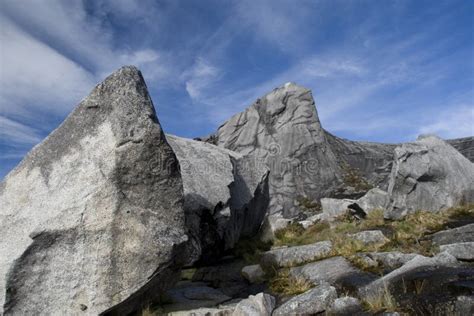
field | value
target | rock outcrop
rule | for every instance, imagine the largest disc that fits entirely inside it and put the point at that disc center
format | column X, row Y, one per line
column 464, row 145
column 428, row 175
column 283, row 131
column 225, row 196
column 92, row 221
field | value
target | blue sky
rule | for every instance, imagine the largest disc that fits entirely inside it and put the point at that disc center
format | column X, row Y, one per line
column 379, row 70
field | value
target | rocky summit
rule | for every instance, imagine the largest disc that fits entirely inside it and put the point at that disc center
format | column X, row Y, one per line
column 270, row 215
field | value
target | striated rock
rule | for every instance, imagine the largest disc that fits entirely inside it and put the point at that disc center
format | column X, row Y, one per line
column 253, row 273
column 428, row 175
column 260, row 304
column 92, row 219
column 370, row 237
column 283, row 131
column 314, row 301
column 292, row 256
column 345, row 306
column 464, row 145
column 461, row 251
column 225, row 196
column 455, row 235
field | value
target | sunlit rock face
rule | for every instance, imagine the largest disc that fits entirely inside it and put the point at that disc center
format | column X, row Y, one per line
column 92, row 221
column 283, row 131
column 429, row 175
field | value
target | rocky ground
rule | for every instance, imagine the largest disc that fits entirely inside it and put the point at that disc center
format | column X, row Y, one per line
column 271, row 215
column 422, row 265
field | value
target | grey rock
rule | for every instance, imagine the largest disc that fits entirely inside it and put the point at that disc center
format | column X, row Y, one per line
column 260, row 304
column 335, row 270
column 391, row 260
column 370, row 237
column 461, row 251
column 372, row 160
column 293, row 256
column 314, row 301
column 450, row 236
column 428, row 175
column 416, row 264
column 374, row 199
column 346, row 305
column 464, row 145
column 333, row 208
column 271, row 224
column 217, row 311
column 253, row 273
column 283, row 131
column 225, row 196
column 92, row 218
column 194, row 296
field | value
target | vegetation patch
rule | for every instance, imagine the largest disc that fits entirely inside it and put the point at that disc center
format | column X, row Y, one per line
column 407, row 235
column 382, row 301
column 309, row 205
column 284, row 284
column 251, row 249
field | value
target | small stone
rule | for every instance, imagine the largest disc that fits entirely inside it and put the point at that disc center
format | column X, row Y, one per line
column 261, row 304
column 370, row 237
column 253, row 273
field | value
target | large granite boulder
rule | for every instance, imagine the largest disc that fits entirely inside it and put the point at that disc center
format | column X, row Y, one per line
column 428, row 175
column 91, row 221
column 283, row 131
column 225, row 196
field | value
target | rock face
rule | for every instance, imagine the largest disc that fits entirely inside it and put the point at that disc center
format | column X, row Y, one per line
column 464, row 145
column 92, row 218
column 428, row 175
column 450, row 236
column 283, row 131
column 225, row 195
column 291, row 256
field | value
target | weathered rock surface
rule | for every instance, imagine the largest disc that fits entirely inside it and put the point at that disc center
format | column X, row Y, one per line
column 92, row 218
column 374, row 199
column 193, row 295
column 225, row 196
column 370, row 237
column 346, row 305
column 391, row 260
column 260, row 304
column 454, row 235
column 464, row 145
column 314, row 301
column 416, row 264
column 253, row 273
column 283, row 131
column 428, row 175
column 292, row 256
column 461, row 251
column 336, row 271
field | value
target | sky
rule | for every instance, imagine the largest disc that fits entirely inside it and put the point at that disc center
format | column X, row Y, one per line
column 383, row 71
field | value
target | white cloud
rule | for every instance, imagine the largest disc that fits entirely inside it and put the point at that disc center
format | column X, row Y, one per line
column 17, row 133
column 455, row 121
column 200, row 77
column 33, row 76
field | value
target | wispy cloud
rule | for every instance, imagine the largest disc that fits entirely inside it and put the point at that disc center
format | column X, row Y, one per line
column 456, row 121
column 201, row 75
column 17, row 133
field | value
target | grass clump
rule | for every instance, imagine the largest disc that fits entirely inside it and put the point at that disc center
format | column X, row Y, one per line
column 284, row 284
column 382, row 301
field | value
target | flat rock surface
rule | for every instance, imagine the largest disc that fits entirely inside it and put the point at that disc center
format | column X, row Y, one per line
column 461, row 251
column 370, row 237
column 449, row 236
column 93, row 213
column 314, row 301
column 297, row 255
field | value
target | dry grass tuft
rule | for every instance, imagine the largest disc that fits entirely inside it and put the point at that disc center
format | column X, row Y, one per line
column 382, row 301
column 284, row 283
